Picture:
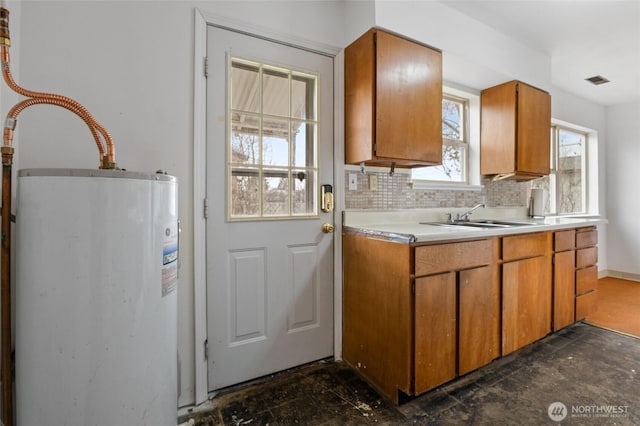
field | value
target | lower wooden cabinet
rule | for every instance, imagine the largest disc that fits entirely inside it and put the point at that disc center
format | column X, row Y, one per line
column 418, row 315
column 457, row 327
column 526, row 290
column 415, row 317
column 586, row 291
column 479, row 318
column 564, row 278
column 586, row 272
column 526, row 302
column 435, row 331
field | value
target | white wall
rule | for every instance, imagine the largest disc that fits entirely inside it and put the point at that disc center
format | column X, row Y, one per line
column 131, row 64
column 623, row 152
column 592, row 118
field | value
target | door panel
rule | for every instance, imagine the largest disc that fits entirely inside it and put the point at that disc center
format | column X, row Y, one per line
column 269, row 279
column 246, row 295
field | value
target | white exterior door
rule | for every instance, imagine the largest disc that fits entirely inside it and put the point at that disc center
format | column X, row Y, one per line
column 269, row 151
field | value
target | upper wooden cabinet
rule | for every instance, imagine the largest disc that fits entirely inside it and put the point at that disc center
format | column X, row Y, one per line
column 393, row 101
column 515, row 131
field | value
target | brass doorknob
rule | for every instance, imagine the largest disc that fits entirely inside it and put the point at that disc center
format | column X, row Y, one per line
column 328, row 228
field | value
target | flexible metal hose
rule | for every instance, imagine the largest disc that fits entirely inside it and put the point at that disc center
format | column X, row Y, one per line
column 65, row 102
column 17, row 108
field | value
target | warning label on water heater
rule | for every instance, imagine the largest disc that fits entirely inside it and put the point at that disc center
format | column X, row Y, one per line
column 170, row 259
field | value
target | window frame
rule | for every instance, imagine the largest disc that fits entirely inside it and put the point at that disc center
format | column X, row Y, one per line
column 471, row 124
column 263, row 170
column 553, row 181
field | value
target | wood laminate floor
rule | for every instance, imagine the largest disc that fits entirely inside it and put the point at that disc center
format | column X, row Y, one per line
column 618, row 306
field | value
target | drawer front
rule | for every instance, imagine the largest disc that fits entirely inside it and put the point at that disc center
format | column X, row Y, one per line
column 452, row 256
column 586, row 279
column 526, row 245
column 587, row 237
column 586, row 304
column 564, row 240
column 586, row 257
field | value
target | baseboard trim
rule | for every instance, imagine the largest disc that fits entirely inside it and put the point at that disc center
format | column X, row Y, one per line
column 619, row 274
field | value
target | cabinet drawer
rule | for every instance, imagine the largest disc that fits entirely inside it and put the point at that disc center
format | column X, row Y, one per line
column 564, row 240
column 586, row 304
column 586, row 237
column 526, row 245
column 586, row 257
column 586, row 279
column 452, row 257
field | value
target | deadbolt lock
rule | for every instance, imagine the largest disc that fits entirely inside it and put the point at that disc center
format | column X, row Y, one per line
column 326, row 198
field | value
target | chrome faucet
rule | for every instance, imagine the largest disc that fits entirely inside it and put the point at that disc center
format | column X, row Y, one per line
column 465, row 216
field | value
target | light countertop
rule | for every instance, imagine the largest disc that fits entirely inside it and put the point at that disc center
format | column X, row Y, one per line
column 407, row 226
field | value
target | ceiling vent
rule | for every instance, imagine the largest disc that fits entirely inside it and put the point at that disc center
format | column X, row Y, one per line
column 597, row 80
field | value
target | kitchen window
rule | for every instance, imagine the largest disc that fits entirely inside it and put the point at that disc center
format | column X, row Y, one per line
column 455, row 145
column 567, row 182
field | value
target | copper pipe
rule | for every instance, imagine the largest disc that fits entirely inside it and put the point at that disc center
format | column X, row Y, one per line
column 12, row 115
column 109, row 161
column 5, row 288
column 6, row 362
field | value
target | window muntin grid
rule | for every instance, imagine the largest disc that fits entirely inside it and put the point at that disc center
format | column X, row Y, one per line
column 272, row 149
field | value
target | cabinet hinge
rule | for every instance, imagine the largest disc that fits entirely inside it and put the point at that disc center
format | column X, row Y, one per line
column 205, row 66
column 205, row 208
column 375, row 148
column 206, row 348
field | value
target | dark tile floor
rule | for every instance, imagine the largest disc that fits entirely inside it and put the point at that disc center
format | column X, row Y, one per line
column 588, row 369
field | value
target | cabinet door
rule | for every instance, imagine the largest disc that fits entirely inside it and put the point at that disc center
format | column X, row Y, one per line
column 479, row 323
column 564, row 293
column 526, row 302
column 534, row 122
column 498, row 129
column 435, row 331
column 359, row 98
column 408, row 100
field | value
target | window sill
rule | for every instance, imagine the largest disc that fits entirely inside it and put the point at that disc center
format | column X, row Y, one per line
column 421, row 184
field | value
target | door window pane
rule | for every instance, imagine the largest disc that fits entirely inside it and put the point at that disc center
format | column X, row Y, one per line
column 275, row 92
column 245, row 185
column 273, row 142
column 245, row 87
column 276, row 193
column 245, row 139
column 304, row 148
column 303, row 97
column 303, row 192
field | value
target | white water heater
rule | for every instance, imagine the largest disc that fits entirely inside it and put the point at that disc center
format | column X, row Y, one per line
column 96, row 298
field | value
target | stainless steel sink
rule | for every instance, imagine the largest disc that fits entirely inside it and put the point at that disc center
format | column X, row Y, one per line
column 506, row 223
column 480, row 223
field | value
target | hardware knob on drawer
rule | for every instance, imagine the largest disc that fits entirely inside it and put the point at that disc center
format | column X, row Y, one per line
column 328, row 228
